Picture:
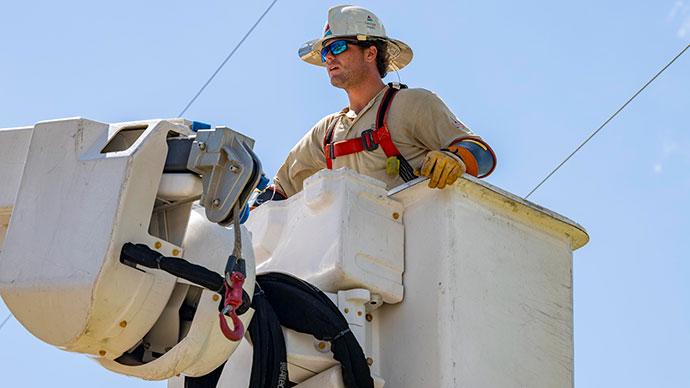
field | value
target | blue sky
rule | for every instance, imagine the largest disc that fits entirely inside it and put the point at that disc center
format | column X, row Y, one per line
column 534, row 78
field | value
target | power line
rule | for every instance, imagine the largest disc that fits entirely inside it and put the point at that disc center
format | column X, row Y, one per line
column 606, row 122
column 4, row 321
column 226, row 59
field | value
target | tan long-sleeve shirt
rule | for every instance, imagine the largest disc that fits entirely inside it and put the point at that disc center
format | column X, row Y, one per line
column 418, row 120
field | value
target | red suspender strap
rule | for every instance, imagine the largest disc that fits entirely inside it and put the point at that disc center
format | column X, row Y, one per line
column 382, row 135
column 369, row 140
column 327, row 146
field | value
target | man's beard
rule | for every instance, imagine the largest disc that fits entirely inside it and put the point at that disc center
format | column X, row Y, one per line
column 347, row 79
column 342, row 80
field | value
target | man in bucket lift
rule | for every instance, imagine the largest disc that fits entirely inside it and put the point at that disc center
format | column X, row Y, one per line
column 386, row 130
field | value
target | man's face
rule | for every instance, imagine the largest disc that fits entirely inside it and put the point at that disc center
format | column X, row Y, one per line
column 347, row 68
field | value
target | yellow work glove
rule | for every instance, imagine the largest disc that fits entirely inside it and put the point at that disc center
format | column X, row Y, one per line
column 441, row 168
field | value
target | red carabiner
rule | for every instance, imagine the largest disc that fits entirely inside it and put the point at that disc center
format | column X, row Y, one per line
column 233, row 300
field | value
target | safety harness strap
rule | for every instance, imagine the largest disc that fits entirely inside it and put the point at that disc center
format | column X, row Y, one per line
column 370, row 139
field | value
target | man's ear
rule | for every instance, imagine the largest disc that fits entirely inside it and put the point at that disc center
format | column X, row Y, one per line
column 370, row 54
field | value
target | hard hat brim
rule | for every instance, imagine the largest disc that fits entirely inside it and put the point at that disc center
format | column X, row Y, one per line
column 399, row 53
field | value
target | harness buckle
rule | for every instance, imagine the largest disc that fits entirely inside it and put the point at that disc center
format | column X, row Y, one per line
column 331, row 150
column 368, row 141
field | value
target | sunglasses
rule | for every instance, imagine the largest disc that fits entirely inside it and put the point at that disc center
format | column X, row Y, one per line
column 339, row 47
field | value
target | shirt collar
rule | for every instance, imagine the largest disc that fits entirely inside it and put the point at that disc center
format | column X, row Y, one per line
column 354, row 116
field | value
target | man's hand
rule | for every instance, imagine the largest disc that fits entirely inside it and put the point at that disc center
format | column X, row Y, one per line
column 441, row 168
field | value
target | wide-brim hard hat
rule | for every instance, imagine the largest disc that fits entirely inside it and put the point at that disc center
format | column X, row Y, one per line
column 347, row 21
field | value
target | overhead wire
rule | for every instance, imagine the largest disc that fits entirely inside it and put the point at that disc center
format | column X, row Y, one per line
column 594, row 133
column 4, row 321
column 227, row 58
column 606, row 122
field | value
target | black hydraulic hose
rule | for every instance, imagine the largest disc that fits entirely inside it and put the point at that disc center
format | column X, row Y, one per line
column 143, row 255
column 206, row 381
column 269, row 359
column 280, row 300
column 269, row 363
column 302, row 307
column 283, row 300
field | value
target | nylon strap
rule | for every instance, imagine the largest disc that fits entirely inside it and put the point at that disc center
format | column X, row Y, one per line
column 370, row 139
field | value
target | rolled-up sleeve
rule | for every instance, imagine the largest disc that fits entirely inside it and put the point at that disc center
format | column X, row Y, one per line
column 436, row 127
column 304, row 160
